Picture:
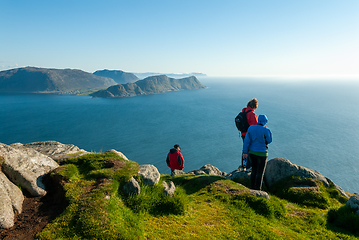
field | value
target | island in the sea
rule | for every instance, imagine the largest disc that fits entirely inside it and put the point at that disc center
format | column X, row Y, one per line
column 149, row 85
column 46, row 80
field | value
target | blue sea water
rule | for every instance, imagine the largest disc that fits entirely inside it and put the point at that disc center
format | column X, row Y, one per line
column 314, row 123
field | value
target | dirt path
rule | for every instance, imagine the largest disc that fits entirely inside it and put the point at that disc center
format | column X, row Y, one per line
column 36, row 214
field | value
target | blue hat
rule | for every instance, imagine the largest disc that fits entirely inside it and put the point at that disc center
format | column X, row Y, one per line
column 262, row 120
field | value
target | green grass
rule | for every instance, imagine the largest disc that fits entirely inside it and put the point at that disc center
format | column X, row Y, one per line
column 203, row 207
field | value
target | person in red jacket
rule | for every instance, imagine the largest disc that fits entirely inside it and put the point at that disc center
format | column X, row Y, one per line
column 175, row 159
column 252, row 119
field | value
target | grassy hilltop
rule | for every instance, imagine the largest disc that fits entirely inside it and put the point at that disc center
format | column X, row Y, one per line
column 203, row 207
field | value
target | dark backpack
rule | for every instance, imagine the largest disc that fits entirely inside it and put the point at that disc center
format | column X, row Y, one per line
column 242, row 122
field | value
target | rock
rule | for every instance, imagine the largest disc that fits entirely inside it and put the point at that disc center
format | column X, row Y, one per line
column 353, row 203
column 259, row 193
column 280, row 168
column 177, row 172
column 170, row 188
column 239, row 174
column 211, row 170
column 197, row 172
column 132, row 187
column 11, row 200
column 207, row 169
column 118, row 153
column 55, row 150
column 149, row 174
column 26, row 167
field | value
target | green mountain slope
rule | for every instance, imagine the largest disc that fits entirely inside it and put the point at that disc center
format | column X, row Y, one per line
column 117, row 75
column 35, row 80
column 150, row 85
column 202, row 207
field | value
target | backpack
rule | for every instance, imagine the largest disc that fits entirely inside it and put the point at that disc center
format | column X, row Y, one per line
column 241, row 121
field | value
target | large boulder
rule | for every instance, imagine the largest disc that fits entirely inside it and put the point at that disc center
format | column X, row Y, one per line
column 280, row 168
column 150, row 174
column 54, row 150
column 11, row 200
column 353, row 203
column 26, row 167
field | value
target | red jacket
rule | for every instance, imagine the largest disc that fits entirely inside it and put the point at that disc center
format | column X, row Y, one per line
column 251, row 117
column 175, row 159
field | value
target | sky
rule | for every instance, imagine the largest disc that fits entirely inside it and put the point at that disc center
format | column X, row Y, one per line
column 217, row 38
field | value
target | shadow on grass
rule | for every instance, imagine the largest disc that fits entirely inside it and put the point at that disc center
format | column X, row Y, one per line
column 343, row 220
column 192, row 184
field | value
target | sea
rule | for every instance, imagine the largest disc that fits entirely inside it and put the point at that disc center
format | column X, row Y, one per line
column 314, row 122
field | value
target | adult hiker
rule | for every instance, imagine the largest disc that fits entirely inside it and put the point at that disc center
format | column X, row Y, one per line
column 245, row 119
column 255, row 146
column 175, row 159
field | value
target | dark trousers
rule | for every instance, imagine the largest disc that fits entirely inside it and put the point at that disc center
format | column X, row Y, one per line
column 249, row 162
column 258, row 166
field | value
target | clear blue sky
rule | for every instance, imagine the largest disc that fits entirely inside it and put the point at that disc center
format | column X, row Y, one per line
column 218, row 38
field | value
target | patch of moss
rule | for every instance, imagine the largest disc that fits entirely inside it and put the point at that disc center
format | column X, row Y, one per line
column 152, row 201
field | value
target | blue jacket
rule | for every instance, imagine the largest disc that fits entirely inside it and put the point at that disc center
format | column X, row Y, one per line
column 257, row 137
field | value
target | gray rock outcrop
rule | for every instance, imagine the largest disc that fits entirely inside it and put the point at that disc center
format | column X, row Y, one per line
column 280, row 168
column 132, row 187
column 53, row 149
column 26, row 167
column 170, row 188
column 149, row 174
column 353, row 203
column 11, row 200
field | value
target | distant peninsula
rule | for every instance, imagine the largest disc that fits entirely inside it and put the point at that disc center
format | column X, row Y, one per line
column 150, row 85
column 45, row 80
column 119, row 76
column 172, row 75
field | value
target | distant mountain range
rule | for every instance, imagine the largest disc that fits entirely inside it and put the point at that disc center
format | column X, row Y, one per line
column 150, row 85
column 44, row 80
column 73, row 81
column 117, row 75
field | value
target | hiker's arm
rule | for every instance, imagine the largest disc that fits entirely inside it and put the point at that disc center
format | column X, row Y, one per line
column 168, row 161
column 268, row 136
column 180, row 161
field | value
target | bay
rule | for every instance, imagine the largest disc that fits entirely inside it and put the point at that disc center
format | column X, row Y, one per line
column 313, row 122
